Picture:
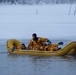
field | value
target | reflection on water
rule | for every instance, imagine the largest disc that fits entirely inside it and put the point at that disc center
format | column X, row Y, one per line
column 36, row 65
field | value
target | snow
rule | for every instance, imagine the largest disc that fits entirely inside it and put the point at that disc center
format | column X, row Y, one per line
column 51, row 21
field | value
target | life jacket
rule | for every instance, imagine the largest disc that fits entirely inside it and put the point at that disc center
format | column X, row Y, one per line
column 51, row 47
column 36, row 44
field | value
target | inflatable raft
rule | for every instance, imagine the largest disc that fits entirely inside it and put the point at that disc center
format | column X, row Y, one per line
column 68, row 49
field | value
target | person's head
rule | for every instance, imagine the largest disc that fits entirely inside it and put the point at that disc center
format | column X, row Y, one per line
column 23, row 46
column 34, row 36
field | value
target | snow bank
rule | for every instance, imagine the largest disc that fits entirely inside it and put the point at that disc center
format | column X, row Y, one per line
column 52, row 21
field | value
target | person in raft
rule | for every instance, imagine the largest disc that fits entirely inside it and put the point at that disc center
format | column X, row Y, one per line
column 23, row 47
column 51, row 47
column 38, row 43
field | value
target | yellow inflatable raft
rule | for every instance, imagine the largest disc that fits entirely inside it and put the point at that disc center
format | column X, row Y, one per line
column 68, row 49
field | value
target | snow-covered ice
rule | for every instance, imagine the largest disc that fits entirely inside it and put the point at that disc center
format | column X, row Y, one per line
column 51, row 21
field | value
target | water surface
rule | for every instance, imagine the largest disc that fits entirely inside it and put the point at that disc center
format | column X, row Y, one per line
column 35, row 65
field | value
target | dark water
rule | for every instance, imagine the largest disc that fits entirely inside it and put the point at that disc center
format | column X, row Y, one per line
column 35, row 65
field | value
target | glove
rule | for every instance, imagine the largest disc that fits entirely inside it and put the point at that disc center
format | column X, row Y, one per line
column 13, row 49
column 60, row 43
column 59, row 48
column 49, row 42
